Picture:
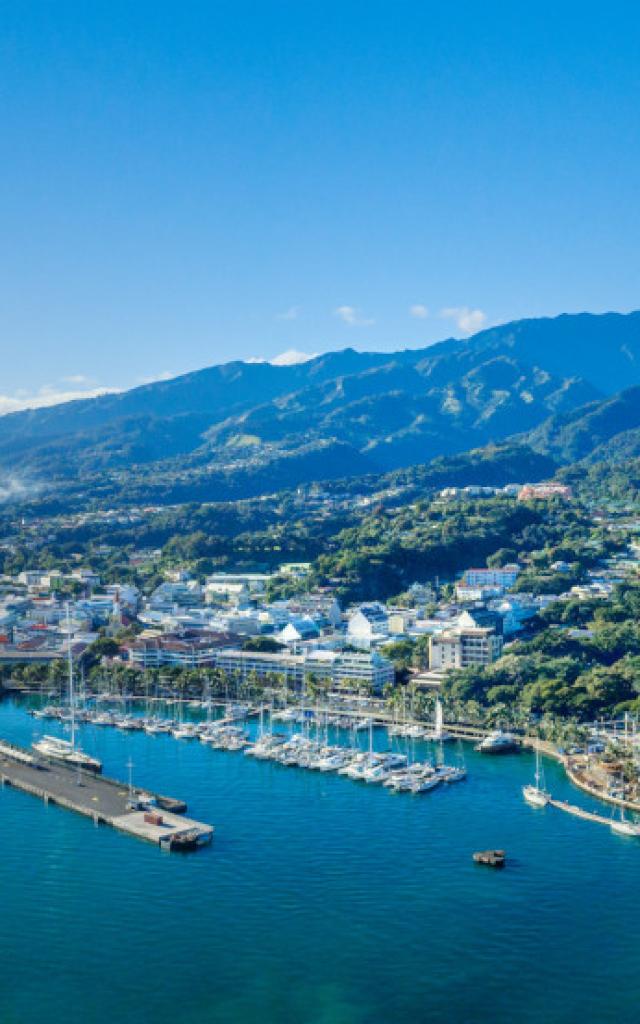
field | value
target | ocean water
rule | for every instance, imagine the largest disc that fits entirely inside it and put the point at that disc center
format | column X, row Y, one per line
column 321, row 900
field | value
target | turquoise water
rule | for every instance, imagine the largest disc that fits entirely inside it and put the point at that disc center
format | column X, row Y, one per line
column 321, row 900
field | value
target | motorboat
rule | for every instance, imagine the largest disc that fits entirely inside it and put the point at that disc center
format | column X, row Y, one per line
column 498, row 742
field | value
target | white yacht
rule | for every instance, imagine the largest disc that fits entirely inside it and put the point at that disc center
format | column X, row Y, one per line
column 450, row 773
column 334, row 761
column 536, row 794
column 624, row 827
column 359, row 766
column 425, row 784
column 153, row 727
column 498, row 742
column 104, row 718
column 266, row 746
column 185, row 732
column 356, row 759
column 377, row 773
column 65, row 752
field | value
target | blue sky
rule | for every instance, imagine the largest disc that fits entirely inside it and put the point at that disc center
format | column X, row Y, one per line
column 183, row 184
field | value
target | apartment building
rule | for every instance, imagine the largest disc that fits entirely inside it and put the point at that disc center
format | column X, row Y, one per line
column 463, row 646
column 504, row 577
column 342, row 669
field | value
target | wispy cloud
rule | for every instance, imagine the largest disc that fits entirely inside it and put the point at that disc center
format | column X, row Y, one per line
column 352, row 316
column 292, row 313
column 47, row 396
column 15, row 488
column 419, row 311
column 291, row 357
column 466, row 320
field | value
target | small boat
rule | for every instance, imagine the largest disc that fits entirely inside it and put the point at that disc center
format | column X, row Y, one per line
column 183, row 842
column 492, row 858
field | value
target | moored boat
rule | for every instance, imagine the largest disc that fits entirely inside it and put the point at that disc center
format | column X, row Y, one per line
column 498, row 742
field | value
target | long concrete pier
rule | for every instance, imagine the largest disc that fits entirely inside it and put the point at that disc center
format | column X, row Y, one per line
column 579, row 812
column 137, row 812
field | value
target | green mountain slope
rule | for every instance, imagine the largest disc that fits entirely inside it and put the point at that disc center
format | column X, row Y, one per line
column 243, row 428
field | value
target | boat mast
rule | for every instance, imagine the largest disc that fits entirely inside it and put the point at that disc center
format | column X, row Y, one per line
column 71, row 695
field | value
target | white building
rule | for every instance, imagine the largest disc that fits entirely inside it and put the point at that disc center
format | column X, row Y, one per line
column 183, row 594
column 462, row 646
column 342, row 669
column 504, row 577
column 236, row 584
column 368, row 623
column 297, row 630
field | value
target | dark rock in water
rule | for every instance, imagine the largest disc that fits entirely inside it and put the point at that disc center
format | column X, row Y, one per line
column 493, row 858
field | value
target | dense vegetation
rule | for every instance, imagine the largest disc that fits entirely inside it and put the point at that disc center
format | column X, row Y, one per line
column 583, row 662
column 389, row 550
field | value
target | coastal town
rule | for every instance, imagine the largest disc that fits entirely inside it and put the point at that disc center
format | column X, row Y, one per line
column 232, row 637
column 320, row 513
column 226, row 620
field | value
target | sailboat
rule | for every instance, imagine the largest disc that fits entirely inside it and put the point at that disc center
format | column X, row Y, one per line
column 66, row 751
column 624, row 827
column 536, row 795
column 438, row 735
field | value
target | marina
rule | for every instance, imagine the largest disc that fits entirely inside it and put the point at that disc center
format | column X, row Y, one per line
column 294, row 737
column 308, row 878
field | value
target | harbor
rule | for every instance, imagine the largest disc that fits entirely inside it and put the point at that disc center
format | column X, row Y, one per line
column 303, row 862
column 139, row 813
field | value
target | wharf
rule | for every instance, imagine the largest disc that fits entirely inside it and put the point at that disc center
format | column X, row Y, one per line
column 579, row 812
column 105, row 801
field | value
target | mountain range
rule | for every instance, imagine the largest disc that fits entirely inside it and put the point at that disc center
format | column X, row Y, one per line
column 568, row 387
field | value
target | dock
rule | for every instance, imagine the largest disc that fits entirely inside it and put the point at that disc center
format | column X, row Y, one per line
column 140, row 813
column 579, row 812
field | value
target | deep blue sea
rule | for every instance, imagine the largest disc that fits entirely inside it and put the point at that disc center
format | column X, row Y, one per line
column 321, row 900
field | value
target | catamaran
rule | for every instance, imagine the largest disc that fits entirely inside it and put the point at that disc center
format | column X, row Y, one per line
column 537, row 795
